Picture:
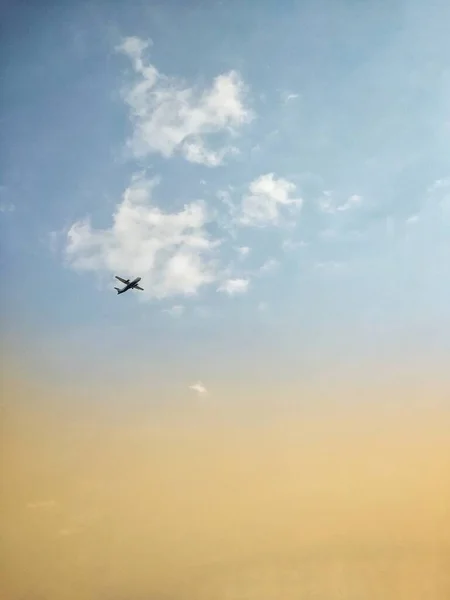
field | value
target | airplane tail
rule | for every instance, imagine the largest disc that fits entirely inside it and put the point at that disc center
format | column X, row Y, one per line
column 118, row 290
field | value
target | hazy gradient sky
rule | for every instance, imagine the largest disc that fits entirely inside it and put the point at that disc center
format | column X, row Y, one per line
column 276, row 172
column 270, row 416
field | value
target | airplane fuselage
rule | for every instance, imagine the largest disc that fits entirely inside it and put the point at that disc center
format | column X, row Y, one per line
column 129, row 285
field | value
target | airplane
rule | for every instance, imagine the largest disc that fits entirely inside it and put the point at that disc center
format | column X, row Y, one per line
column 129, row 285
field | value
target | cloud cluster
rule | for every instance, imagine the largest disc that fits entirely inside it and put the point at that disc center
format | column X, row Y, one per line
column 173, row 252
column 169, row 118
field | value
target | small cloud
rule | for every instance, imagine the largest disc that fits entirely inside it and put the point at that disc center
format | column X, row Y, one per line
column 134, row 47
column 288, row 97
column 7, row 207
column 439, row 184
column 412, row 220
column 243, row 251
column 325, row 202
column 328, row 203
column 290, row 245
column 331, row 267
column 232, row 287
column 56, row 240
column 352, row 202
column 175, row 311
column 199, row 388
column 267, row 196
column 270, row 265
column 328, row 234
column 225, row 197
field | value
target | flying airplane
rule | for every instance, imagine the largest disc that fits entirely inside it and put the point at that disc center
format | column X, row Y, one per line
column 129, row 285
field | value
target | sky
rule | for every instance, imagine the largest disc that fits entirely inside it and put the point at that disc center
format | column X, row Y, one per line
column 280, row 182
column 278, row 175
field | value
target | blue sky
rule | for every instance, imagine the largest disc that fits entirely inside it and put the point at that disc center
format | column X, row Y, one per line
column 276, row 172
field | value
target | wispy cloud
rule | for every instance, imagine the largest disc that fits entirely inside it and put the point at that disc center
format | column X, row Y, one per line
column 199, row 388
column 269, row 266
column 175, row 311
column 290, row 245
column 328, row 203
column 267, row 197
column 233, row 287
column 412, row 220
column 289, row 97
column 243, row 251
column 6, row 207
column 331, row 267
column 171, row 118
column 172, row 252
column 352, row 202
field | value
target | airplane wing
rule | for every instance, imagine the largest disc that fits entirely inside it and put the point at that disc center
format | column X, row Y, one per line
column 122, row 280
column 139, row 288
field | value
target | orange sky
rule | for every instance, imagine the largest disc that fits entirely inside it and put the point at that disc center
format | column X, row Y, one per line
column 101, row 505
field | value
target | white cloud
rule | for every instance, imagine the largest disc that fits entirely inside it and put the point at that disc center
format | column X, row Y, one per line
column 232, row 287
column 267, row 195
column 438, row 197
column 270, row 265
column 439, row 184
column 5, row 205
column 175, row 311
column 172, row 252
column 288, row 97
column 352, row 202
column 328, row 203
column 331, row 267
column 243, row 251
column 199, row 388
column 170, row 118
column 290, row 245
